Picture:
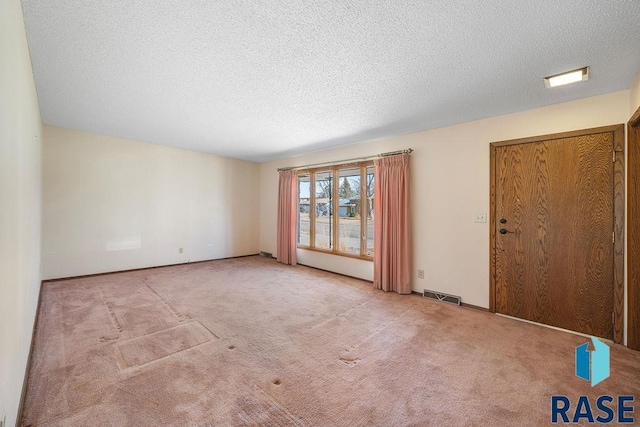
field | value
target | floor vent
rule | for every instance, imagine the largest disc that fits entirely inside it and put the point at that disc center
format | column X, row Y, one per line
column 439, row 296
column 266, row 254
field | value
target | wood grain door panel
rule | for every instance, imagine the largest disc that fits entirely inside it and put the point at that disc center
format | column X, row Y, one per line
column 633, row 232
column 555, row 263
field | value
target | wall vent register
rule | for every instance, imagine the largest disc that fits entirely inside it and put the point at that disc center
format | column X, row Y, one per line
column 440, row 296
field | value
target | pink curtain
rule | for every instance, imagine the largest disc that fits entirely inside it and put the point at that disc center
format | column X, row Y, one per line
column 392, row 237
column 287, row 216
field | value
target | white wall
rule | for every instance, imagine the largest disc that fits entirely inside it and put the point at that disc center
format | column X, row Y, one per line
column 450, row 184
column 634, row 97
column 111, row 204
column 20, row 200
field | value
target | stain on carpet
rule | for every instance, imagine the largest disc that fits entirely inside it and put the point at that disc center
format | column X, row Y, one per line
column 148, row 348
column 107, row 338
column 350, row 361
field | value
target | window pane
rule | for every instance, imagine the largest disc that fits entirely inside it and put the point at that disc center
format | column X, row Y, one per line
column 369, row 202
column 349, row 234
column 304, row 207
column 324, row 210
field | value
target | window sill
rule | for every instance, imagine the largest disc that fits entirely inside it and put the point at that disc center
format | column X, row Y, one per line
column 331, row 252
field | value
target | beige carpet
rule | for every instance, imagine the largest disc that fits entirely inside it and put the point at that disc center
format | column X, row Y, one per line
column 251, row 342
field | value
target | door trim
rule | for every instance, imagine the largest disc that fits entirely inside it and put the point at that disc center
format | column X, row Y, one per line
column 618, row 215
column 633, row 232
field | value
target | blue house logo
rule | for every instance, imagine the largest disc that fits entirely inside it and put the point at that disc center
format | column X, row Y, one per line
column 592, row 365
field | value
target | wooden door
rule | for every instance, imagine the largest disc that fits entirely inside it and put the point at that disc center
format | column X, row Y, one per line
column 633, row 232
column 553, row 237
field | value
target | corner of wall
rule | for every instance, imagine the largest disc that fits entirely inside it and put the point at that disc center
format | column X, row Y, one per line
column 634, row 97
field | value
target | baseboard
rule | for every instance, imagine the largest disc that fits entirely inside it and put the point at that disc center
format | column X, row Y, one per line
column 553, row 327
column 475, row 307
column 25, row 383
column 144, row 268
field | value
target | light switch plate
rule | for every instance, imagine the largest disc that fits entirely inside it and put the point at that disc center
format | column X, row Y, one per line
column 481, row 217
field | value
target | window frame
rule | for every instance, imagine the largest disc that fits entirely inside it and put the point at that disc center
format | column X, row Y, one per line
column 335, row 235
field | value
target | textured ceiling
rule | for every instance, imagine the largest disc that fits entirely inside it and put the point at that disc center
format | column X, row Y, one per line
column 260, row 80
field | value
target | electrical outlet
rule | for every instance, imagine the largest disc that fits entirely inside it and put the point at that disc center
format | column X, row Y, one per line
column 420, row 274
column 481, row 217
column 179, row 250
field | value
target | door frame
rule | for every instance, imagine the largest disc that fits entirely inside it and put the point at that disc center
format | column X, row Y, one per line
column 633, row 231
column 617, row 156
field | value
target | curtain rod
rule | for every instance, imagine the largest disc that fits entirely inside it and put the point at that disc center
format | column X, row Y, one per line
column 340, row 162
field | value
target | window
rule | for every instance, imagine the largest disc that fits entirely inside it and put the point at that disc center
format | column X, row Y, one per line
column 349, row 203
column 304, row 206
column 336, row 209
column 323, row 218
column 370, row 182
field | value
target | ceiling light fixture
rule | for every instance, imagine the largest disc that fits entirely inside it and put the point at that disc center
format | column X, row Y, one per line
column 578, row 75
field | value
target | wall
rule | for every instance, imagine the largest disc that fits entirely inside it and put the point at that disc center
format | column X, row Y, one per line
column 634, row 104
column 111, row 204
column 634, row 97
column 450, row 185
column 20, row 193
